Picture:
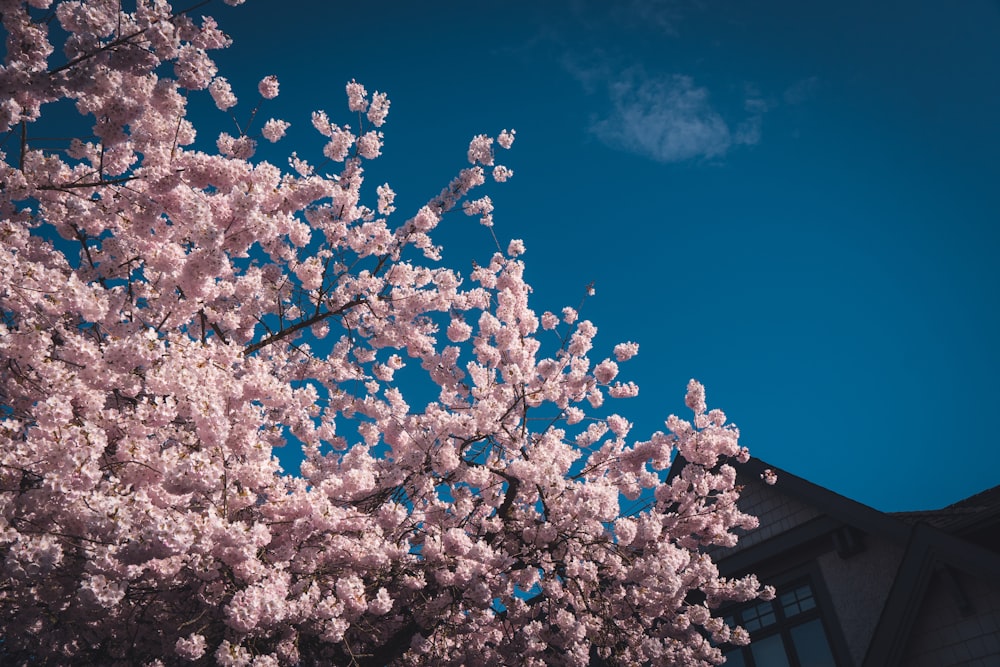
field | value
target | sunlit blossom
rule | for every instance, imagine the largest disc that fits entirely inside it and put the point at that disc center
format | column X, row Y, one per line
column 462, row 454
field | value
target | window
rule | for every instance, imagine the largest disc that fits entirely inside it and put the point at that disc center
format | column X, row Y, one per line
column 785, row 632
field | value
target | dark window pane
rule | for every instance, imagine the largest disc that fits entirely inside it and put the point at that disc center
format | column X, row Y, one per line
column 811, row 645
column 797, row 601
column 735, row 659
column 759, row 616
column 769, row 652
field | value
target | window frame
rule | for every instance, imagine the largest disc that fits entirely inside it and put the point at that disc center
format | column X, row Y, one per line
column 784, row 624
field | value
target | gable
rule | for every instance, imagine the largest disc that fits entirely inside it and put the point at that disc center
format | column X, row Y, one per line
column 777, row 511
column 958, row 622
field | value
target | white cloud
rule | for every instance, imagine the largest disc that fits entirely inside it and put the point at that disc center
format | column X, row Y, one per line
column 801, row 91
column 668, row 119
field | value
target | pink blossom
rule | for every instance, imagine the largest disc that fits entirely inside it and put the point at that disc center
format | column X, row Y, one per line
column 624, row 390
column 574, row 415
column 619, row 425
column 501, row 173
column 215, row 307
column 301, row 167
column 425, row 220
column 322, row 123
column 481, row 150
column 274, row 129
column 339, row 145
column 356, row 96
column 310, row 272
column 695, row 398
column 381, row 604
column 625, row 351
column 386, row 196
column 268, row 87
column 459, row 331
column 606, row 371
column 232, row 655
column 482, row 207
column 239, row 148
column 379, row 109
column 581, row 341
column 506, row 138
column 191, row 647
column 222, row 93
column 193, row 68
column 370, row 145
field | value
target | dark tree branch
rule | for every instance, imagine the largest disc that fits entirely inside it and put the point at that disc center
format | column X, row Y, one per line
column 298, row 326
column 122, row 40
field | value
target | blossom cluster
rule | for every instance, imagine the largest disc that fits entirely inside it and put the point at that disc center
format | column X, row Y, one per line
column 172, row 314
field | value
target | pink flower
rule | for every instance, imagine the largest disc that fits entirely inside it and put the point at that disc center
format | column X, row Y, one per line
column 193, row 68
column 339, row 145
column 506, row 138
column 501, row 173
column 381, row 604
column 191, row 647
column 624, row 390
column 322, row 123
column 482, row 207
column 459, row 331
column 695, row 398
column 370, row 145
column 625, row 351
column 619, row 425
column 222, row 93
column 481, row 150
column 274, row 129
column 224, row 307
column 356, row 96
column 379, row 109
column 268, row 87
column 386, row 196
column 606, row 371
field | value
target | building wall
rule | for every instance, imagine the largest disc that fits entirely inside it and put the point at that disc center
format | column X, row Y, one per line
column 943, row 636
column 859, row 587
column 776, row 511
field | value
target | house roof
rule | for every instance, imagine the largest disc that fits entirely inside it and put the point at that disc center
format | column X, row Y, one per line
column 839, row 508
column 950, row 537
column 960, row 516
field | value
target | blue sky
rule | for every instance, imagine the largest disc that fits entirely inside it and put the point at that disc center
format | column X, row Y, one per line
column 795, row 203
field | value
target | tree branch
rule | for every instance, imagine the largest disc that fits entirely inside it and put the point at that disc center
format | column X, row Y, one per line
column 123, row 40
column 298, row 326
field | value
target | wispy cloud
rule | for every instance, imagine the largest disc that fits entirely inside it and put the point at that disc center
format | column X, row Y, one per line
column 663, row 17
column 801, row 90
column 670, row 119
column 660, row 15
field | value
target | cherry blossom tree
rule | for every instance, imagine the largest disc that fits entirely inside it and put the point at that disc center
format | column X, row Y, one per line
column 174, row 312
